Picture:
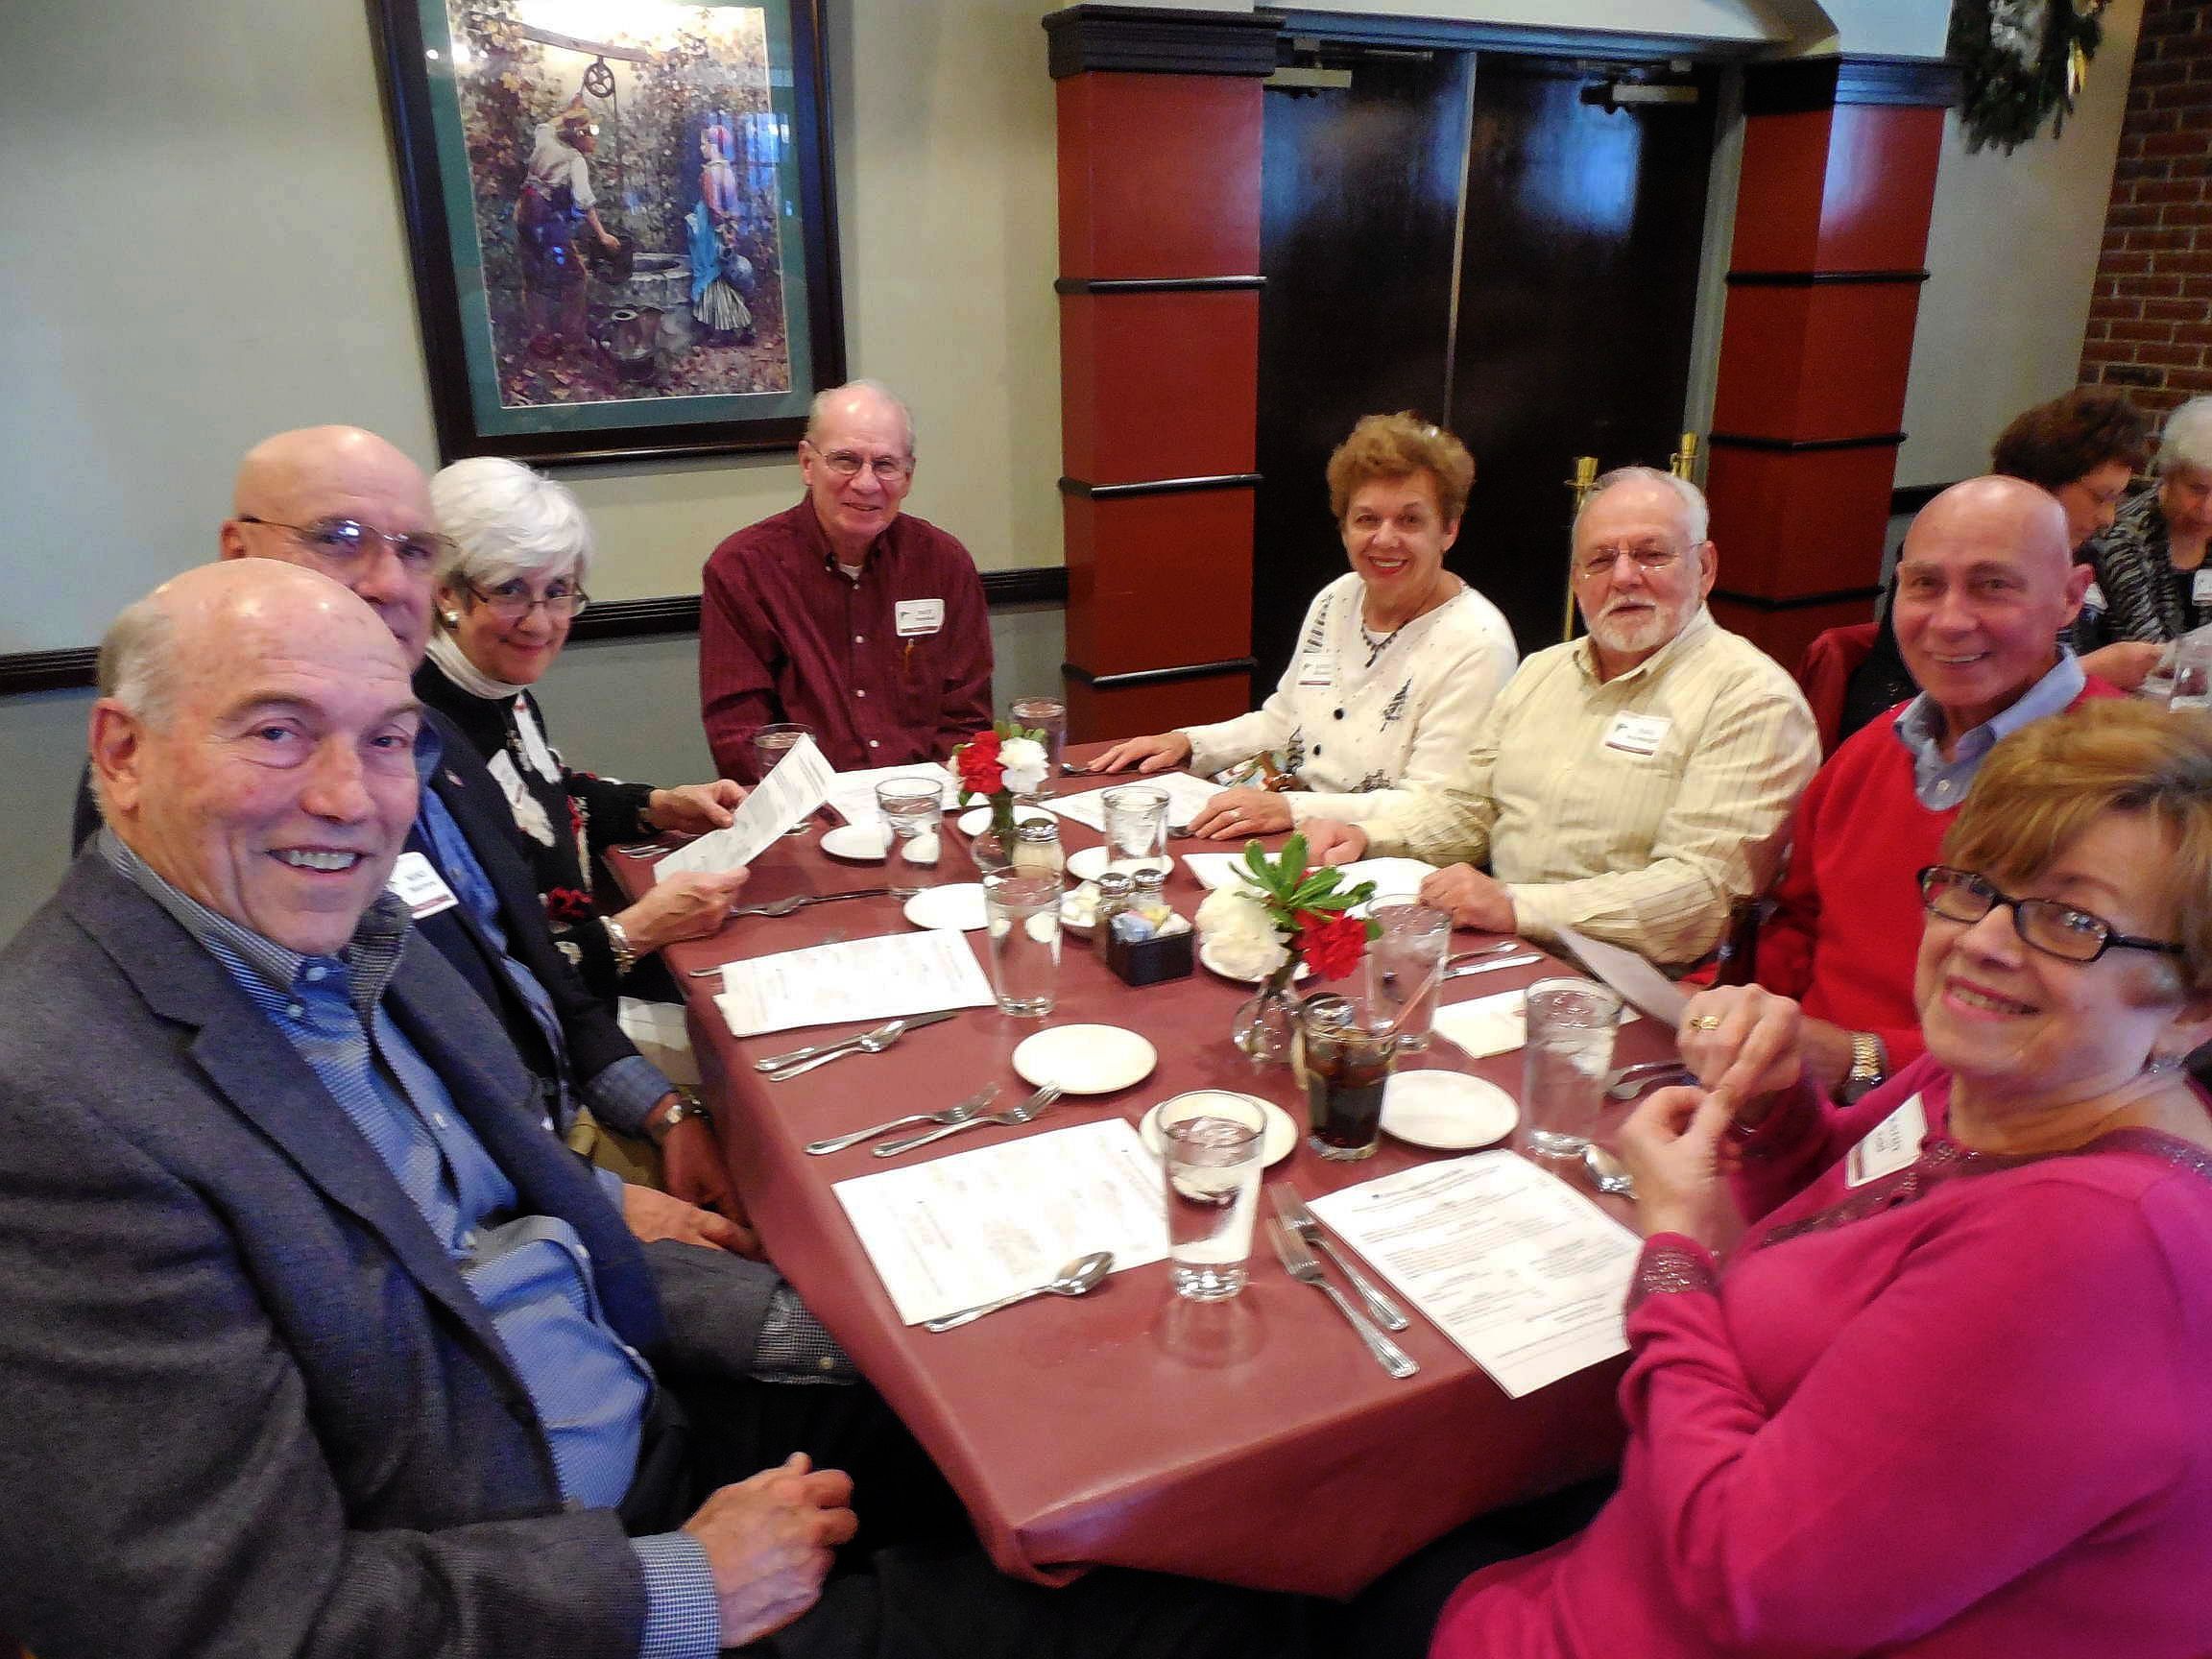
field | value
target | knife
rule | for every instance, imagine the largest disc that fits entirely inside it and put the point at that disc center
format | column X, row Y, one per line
column 912, row 1023
column 1491, row 966
column 1294, row 1214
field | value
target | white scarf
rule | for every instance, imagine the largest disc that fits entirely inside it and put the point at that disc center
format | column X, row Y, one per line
column 453, row 662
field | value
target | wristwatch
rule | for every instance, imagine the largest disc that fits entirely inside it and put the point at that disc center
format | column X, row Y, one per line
column 1869, row 1066
column 625, row 953
column 683, row 1107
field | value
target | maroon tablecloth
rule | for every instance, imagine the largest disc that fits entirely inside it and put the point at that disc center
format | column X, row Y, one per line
column 1254, row 1441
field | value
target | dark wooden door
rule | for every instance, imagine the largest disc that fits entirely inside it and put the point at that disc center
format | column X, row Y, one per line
column 1360, row 202
column 1578, row 297
column 1556, row 323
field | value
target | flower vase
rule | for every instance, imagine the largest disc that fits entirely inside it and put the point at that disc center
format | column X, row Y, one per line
column 991, row 853
column 1267, row 1024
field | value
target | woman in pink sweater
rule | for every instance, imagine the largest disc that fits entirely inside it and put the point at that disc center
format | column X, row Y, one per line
column 1951, row 1393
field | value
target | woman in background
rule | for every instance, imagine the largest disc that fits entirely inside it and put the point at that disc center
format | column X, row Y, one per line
column 2151, row 576
column 1397, row 660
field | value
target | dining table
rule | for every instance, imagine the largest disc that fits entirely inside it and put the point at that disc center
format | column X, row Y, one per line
column 1252, row 1441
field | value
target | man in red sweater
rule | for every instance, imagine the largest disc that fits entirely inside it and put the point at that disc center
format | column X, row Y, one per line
column 1984, row 583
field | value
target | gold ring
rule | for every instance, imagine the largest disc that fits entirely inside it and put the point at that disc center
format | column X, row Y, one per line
column 1706, row 1022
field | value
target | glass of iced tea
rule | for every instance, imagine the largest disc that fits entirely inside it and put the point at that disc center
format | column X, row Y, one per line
column 1348, row 1045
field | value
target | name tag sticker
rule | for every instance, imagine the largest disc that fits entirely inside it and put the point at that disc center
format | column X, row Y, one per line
column 1316, row 669
column 2200, row 585
column 1638, row 734
column 1889, row 1146
column 919, row 616
column 419, row 885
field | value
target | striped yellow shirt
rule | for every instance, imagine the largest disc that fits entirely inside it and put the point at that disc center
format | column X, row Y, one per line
column 1635, row 809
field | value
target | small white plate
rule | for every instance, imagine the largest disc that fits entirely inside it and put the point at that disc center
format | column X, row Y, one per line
column 1446, row 1111
column 960, row 907
column 1282, row 1128
column 974, row 822
column 857, row 843
column 1085, row 1059
column 1079, row 909
column 1300, row 977
column 1090, row 863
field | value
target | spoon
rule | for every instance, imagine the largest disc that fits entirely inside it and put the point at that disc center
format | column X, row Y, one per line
column 1607, row 1173
column 1079, row 1278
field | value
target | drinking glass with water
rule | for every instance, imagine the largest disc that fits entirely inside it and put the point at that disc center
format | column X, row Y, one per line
column 770, row 744
column 1214, row 1150
column 913, row 810
column 1569, row 1048
column 1023, row 911
column 1407, row 960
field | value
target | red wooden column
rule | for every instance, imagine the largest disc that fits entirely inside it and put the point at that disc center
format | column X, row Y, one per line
column 1160, row 145
column 1837, row 183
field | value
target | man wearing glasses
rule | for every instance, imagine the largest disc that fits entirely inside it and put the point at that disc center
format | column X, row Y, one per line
column 863, row 624
column 1985, row 581
column 1632, row 785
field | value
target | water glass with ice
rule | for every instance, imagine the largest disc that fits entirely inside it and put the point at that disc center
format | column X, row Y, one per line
column 1023, row 911
column 1047, row 715
column 1136, row 826
column 1569, row 1048
column 913, row 810
column 769, row 744
column 1406, row 963
column 1214, row 1149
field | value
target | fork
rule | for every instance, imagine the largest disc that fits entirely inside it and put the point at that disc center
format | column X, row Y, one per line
column 800, row 901
column 950, row 1116
column 1292, row 1212
column 1030, row 1109
column 1300, row 1264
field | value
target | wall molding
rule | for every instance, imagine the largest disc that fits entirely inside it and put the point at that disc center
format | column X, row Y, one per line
column 1818, row 278
column 1806, row 86
column 1802, row 445
column 1911, row 497
column 1359, row 29
column 1152, row 284
column 75, row 667
column 1158, row 676
column 1159, row 486
column 1149, row 40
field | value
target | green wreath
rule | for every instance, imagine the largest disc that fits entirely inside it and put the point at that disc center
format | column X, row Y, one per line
column 2021, row 61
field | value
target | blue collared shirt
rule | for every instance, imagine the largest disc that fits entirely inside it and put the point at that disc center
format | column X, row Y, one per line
column 621, row 1096
column 1939, row 785
column 531, row 1274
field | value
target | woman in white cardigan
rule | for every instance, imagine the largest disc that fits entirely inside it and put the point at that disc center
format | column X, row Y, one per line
column 1396, row 661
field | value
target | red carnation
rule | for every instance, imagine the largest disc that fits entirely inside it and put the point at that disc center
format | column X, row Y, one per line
column 977, row 762
column 1331, row 945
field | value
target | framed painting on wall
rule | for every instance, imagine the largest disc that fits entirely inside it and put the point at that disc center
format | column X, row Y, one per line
column 621, row 221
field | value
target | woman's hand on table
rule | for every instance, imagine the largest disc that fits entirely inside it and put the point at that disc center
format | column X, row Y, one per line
column 1746, row 1043
column 1234, row 814
column 1672, row 1146
column 2125, row 663
column 1329, row 842
column 694, row 809
column 651, row 1215
column 1474, row 898
column 689, row 904
column 1156, row 753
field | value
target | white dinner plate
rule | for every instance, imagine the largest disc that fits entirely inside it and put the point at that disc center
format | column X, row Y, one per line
column 1300, row 977
column 958, row 907
column 974, row 822
column 1085, row 1059
column 1090, row 863
column 1282, row 1128
column 1446, row 1111
column 856, row 843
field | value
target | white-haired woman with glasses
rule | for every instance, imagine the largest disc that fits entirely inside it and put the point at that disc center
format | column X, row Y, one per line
column 1933, row 1379
column 509, row 583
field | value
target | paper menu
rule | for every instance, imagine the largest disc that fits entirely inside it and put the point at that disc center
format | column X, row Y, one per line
column 1525, row 1274
column 796, row 785
column 854, row 793
column 1186, row 795
column 950, row 1232
column 854, row 980
column 1636, row 979
column 1494, row 1024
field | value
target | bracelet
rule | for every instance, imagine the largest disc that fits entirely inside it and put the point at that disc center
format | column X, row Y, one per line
column 625, row 953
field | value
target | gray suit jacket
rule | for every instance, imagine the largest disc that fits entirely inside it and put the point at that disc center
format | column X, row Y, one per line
column 246, row 1404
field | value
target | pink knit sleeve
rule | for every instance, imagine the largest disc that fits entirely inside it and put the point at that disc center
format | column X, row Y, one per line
column 1982, row 1414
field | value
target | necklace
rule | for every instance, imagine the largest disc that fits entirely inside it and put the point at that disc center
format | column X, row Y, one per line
column 1378, row 643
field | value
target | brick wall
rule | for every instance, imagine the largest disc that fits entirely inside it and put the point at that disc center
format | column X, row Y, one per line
column 2150, row 317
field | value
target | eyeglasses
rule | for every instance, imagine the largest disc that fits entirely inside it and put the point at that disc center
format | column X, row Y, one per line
column 1651, row 561
column 888, row 469
column 2043, row 924
column 510, row 601
column 341, row 541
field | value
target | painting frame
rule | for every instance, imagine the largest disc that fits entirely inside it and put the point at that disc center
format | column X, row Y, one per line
column 465, row 314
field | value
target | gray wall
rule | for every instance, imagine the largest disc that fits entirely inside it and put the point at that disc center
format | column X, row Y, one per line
column 627, row 708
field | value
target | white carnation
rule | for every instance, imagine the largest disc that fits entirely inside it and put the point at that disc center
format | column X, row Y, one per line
column 1022, row 760
column 1238, row 935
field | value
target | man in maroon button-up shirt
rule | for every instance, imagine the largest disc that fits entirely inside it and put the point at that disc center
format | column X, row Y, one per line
column 843, row 615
